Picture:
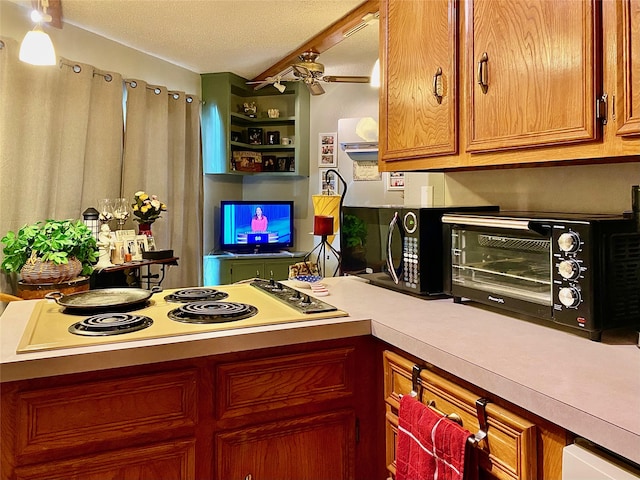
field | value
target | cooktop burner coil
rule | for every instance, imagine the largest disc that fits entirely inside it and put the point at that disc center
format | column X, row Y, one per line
column 110, row 324
column 212, row 312
column 187, row 295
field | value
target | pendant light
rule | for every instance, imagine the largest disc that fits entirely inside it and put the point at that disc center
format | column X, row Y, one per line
column 36, row 47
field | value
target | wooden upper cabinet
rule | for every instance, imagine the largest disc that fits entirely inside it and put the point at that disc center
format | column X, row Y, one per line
column 629, row 73
column 532, row 75
column 418, row 106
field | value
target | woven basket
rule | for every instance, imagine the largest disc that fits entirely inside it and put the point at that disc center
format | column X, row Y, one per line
column 37, row 271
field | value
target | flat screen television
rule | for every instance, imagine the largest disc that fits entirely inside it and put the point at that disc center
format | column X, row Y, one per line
column 254, row 226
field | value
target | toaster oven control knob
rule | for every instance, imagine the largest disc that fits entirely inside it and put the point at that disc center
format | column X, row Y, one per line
column 569, row 269
column 569, row 296
column 569, row 242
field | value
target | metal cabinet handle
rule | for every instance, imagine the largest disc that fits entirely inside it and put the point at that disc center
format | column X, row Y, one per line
column 248, row 477
column 483, row 73
column 437, row 75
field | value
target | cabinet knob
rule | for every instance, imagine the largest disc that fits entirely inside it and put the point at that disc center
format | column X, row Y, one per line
column 483, row 73
column 248, row 477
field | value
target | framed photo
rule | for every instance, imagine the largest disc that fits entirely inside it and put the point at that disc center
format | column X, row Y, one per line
column 330, row 186
column 327, row 145
column 395, row 181
column 142, row 246
column 131, row 247
column 255, row 136
column 151, row 244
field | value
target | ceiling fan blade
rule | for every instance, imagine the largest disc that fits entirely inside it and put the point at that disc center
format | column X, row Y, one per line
column 314, row 88
column 345, row 79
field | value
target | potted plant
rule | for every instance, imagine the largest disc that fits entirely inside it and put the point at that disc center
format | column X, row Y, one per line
column 354, row 238
column 52, row 251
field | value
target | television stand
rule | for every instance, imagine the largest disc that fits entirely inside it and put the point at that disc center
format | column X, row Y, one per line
column 231, row 267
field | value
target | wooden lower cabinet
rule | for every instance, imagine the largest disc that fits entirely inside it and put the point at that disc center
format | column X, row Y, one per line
column 318, row 447
column 170, row 461
column 518, row 445
column 279, row 413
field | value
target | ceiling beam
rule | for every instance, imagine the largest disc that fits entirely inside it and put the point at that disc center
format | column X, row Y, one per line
column 330, row 36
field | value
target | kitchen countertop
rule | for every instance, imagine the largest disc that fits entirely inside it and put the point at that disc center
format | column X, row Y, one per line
column 589, row 388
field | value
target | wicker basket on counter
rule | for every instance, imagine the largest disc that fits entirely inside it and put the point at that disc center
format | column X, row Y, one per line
column 36, row 271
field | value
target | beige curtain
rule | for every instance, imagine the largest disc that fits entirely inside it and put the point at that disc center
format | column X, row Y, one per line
column 60, row 140
column 162, row 157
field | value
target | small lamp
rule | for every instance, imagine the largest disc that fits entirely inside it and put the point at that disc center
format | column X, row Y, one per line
column 326, row 221
column 90, row 219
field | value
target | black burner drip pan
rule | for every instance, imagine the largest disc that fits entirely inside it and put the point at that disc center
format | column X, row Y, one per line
column 212, row 312
column 106, row 324
column 196, row 294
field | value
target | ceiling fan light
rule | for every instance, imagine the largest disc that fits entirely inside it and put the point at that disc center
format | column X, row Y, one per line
column 37, row 48
column 280, row 87
column 375, row 75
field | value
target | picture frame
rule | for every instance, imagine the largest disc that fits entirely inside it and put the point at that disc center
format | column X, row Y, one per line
column 395, row 181
column 142, row 246
column 327, row 149
column 131, row 247
column 151, row 244
column 329, row 187
column 125, row 234
column 255, row 136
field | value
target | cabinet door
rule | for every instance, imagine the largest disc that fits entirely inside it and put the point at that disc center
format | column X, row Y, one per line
column 317, row 447
column 629, row 73
column 509, row 450
column 243, row 270
column 278, row 268
column 169, row 461
column 419, row 88
column 532, row 75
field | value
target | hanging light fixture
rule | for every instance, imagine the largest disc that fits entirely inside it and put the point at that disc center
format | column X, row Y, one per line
column 36, row 47
column 375, row 75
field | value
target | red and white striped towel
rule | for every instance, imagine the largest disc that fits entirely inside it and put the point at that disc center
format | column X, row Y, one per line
column 430, row 446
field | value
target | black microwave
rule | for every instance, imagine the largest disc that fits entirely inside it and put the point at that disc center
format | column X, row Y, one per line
column 579, row 272
column 397, row 247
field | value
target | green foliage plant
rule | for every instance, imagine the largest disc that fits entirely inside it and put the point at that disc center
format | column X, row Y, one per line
column 354, row 231
column 51, row 240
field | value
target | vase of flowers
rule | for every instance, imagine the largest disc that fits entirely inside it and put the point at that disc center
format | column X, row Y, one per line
column 146, row 210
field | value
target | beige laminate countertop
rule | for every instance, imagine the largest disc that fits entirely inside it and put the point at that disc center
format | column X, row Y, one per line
column 589, row 388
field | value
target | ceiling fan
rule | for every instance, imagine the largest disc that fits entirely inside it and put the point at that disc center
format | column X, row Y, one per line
column 309, row 71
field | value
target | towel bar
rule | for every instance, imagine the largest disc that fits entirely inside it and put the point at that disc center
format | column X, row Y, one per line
column 481, row 410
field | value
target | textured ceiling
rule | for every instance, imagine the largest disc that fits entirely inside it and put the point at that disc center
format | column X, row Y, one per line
column 242, row 36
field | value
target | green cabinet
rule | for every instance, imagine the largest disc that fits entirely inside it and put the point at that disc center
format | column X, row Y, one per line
column 227, row 268
column 235, row 142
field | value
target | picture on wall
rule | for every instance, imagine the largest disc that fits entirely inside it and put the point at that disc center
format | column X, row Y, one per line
column 327, row 149
column 395, row 181
column 327, row 186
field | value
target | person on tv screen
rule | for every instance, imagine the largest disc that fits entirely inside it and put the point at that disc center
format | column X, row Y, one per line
column 259, row 222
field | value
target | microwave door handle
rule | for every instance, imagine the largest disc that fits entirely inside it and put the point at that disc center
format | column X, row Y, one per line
column 392, row 270
column 491, row 222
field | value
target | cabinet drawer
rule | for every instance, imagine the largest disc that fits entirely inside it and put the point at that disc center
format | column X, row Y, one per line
column 83, row 416
column 283, row 382
column 175, row 461
column 509, row 450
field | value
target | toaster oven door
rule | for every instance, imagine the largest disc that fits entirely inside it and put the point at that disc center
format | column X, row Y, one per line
column 506, row 265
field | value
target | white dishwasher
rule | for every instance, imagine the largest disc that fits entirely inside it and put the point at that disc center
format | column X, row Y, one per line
column 584, row 461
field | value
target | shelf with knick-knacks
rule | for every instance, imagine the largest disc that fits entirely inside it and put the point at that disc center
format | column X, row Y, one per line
column 247, row 131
